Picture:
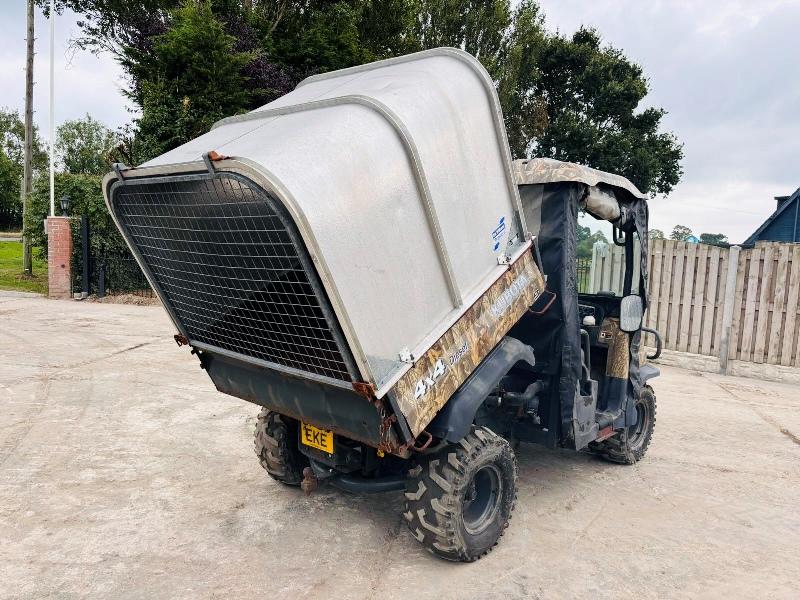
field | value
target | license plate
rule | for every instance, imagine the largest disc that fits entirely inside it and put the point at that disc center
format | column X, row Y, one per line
column 321, row 439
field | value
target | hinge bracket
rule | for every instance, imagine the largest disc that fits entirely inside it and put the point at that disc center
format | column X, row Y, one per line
column 210, row 158
column 365, row 389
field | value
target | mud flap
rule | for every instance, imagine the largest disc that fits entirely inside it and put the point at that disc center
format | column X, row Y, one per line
column 453, row 422
column 584, row 417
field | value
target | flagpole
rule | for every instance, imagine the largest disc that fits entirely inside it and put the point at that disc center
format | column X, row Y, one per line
column 52, row 108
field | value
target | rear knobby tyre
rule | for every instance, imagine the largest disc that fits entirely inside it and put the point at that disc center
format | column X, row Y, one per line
column 276, row 447
column 630, row 445
column 459, row 500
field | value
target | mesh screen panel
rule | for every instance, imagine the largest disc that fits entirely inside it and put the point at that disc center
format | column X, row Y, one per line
column 228, row 266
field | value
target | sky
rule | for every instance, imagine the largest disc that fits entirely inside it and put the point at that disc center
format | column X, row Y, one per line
column 727, row 72
column 84, row 83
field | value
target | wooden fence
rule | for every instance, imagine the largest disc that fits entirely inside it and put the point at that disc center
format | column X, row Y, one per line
column 739, row 304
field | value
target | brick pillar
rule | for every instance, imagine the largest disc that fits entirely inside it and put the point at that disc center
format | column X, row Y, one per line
column 59, row 257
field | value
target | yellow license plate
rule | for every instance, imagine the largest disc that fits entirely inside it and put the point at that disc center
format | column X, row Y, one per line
column 321, row 439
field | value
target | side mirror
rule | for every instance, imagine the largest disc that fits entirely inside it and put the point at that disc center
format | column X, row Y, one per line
column 631, row 311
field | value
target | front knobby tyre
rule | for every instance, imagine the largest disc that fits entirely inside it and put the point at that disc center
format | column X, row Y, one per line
column 276, row 447
column 630, row 445
column 459, row 500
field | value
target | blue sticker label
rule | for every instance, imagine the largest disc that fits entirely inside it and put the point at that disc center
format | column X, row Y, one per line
column 497, row 234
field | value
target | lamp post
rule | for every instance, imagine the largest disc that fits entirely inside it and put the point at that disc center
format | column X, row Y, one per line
column 64, row 205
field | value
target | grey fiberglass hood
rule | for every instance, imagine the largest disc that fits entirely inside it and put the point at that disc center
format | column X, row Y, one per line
column 398, row 176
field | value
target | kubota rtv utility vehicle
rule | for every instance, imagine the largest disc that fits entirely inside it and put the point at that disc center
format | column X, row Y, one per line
column 362, row 259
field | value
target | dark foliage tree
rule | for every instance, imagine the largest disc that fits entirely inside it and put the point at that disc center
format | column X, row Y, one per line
column 84, row 146
column 524, row 107
column 714, row 239
column 12, row 140
column 570, row 98
column 591, row 95
column 12, row 156
column 587, row 239
column 191, row 77
column 680, row 233
column 10, row 205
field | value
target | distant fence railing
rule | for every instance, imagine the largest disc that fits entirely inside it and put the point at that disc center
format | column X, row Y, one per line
column 120, row 274
column 738, row 304
column 108, row 271
column 584, row 271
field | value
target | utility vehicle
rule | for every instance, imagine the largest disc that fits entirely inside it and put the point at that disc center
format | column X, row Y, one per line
column 362, row 259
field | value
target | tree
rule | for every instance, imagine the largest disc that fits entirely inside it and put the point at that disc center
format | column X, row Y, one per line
column 587, row 239
column 192, row 77
column 714, row 239
column 570, row 98
column 84, row 146
column 524, row 107
column 680, row 233
column 592, row 94
column 478, row 26
column 12, row 140
column 10, row 205
column 324, row 38
column 12, row 148
column 656, row 234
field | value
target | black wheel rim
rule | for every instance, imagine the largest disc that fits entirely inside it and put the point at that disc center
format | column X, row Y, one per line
column 482, row 499
column 637, row 433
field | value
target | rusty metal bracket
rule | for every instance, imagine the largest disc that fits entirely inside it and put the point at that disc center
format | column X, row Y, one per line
column 414, row 447
column 605, row 433
column 210, row 157
column 181, row 339
column 386, row 424
column 386, row 443
column 534, row 310
column 365, row 389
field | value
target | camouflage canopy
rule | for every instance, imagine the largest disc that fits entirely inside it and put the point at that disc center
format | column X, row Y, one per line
column 548, row 170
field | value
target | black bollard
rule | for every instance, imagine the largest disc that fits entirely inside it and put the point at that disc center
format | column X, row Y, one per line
column 101, row 281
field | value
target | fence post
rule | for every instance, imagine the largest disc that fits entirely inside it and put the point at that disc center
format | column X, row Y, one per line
column 85, row 254
column 727, row 309
column 101, row 281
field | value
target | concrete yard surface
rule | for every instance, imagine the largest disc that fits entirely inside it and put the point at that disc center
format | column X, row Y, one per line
column 124, row 474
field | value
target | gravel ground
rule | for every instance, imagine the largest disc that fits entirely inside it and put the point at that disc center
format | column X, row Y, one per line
column 124, row 474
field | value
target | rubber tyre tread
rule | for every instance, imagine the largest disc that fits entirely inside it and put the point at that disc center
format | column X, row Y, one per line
column 276, row 447
column 617, row 450
column 435, row 491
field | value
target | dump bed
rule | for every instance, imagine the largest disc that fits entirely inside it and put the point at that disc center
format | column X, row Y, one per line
column 338, row 233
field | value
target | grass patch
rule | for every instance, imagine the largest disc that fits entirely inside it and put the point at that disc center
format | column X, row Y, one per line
column 11, row 277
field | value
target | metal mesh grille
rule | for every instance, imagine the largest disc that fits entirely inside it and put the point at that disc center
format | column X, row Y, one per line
column 229, row 268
